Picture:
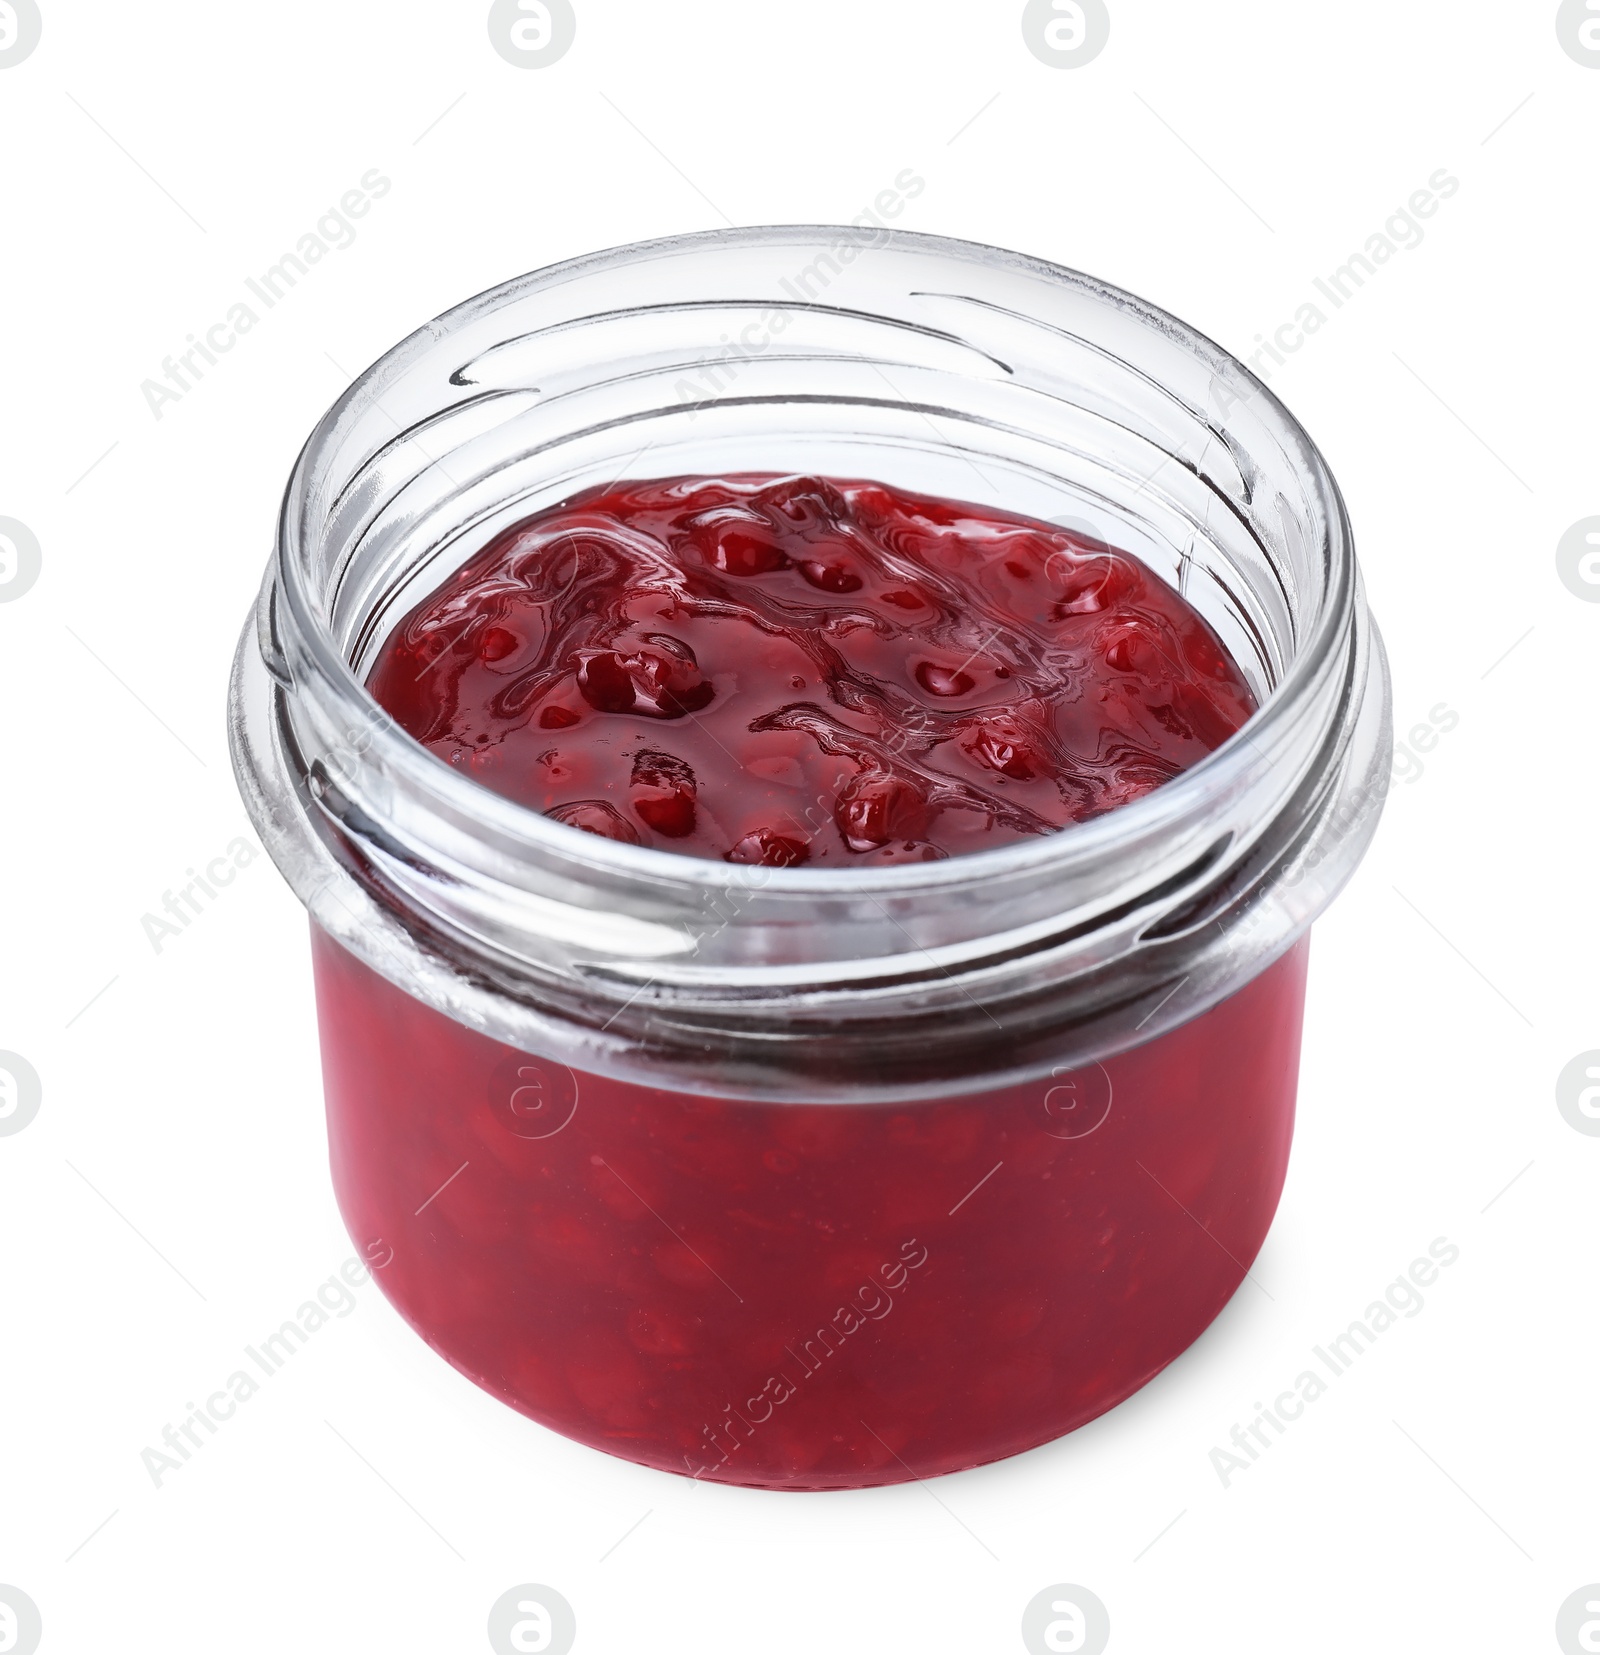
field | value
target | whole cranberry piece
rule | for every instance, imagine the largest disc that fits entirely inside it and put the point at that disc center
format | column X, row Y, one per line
column 496, row 644
column 768, row 848
column 803, row 503
column 1089, row 585
column 1000, row 745
column 742, row 545
column 664, row 682
column 664, row 793
column 875, row 808
column 937, row 680
column 830, row 575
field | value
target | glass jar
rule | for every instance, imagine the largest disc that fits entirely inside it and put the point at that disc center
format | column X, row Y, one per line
column 831, row 1177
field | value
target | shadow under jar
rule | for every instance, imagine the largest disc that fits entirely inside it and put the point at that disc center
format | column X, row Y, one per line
column 811, row 1177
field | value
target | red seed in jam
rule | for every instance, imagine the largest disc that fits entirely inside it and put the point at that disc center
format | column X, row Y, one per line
column 767, row 849
column 938, row 680
column 872, row 810
column 831, row 577
column 664, row 793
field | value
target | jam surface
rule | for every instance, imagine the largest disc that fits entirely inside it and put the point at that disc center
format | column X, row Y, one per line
column 802, row 670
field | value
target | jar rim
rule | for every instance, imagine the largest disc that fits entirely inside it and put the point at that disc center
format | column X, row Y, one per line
column 1164, row 802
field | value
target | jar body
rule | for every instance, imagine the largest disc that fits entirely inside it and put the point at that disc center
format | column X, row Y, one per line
column 791, row 1177
column 806, row 1296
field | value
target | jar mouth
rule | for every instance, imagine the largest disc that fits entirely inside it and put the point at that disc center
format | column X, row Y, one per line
column 937, row 361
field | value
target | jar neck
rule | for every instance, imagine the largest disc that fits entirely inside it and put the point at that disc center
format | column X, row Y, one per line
column 848, row 983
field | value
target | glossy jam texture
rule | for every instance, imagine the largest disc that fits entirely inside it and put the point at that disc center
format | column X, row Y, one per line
column 806, row 1296
column 798, row 670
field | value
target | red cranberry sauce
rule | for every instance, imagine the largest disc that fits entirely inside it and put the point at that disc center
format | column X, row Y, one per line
column 793, row 670
column 799, row 1295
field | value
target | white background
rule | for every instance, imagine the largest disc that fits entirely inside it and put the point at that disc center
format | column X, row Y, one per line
column 171, row 1201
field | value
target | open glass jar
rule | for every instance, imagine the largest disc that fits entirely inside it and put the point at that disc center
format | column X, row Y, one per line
column 811, row 1178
